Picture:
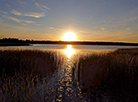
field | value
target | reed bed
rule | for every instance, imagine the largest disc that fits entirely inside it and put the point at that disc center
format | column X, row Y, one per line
column 105, row 77
column 24, row 74
column 111, row 77
column 38, row 62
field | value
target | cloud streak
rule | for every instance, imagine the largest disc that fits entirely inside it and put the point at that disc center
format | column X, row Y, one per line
column 35, row 15
column 41, row 7
column 133, row 19
column 20, row 21
column 129, row 20
column 21, row 2
column 16, row 12
column 31, row 14
column 3, row 12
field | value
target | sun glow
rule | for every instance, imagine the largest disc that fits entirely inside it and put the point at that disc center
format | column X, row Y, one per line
column 69, row 36
column 69, row 51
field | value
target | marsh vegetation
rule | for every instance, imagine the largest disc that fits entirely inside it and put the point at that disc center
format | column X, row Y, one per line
column 112, row 77
column 103, row 77
column 24, row 74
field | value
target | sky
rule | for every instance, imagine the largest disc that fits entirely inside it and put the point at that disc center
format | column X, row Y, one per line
column 90, row 20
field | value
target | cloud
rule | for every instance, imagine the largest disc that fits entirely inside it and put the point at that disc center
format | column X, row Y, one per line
column 133, row 19
column 23, row 22
column 128, row 28
column 28, row 22
column 3, row 12
column 12, row 18
column 46, row 7
column 35, row 15
column 16, row 12
column 21, row 2
column 129, row 20
column 31, row 14
column 51, row 28
column 41, row 7
column 103, row 29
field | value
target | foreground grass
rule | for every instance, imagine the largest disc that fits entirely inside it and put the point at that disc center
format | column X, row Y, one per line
column 38, row 62
column 24, row 75
column 112, row 77
column 24, row 88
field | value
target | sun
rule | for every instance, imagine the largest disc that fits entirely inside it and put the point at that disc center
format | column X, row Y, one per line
column 69, row 36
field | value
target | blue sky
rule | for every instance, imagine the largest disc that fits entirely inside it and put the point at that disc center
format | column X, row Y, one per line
column 90, row 20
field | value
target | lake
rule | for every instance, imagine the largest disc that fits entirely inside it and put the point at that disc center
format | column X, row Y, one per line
column 76, row 47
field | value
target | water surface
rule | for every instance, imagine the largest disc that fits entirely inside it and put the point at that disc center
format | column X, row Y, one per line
column 76, row 47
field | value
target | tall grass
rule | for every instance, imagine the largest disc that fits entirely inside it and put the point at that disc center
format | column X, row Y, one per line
column 105, row 77
column 112, row 76
column 24, row 73
column 38, row 62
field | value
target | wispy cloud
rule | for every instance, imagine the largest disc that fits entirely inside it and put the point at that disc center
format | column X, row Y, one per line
column 28, row 22
column 51, row 28
column 20, row 21
column 31, row 14
column 21, row 2
column 133, row 19
column 129, row 20
column 41, row 7
column 16, row 12
column 128, row 28
column 103, row 29
column 12, row 18
column 35, row 15
column 3, row 12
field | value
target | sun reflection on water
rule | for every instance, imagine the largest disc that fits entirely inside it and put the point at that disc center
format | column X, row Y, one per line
column 69, row 51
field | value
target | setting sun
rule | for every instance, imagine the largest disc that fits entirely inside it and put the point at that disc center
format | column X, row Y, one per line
column 69, row 36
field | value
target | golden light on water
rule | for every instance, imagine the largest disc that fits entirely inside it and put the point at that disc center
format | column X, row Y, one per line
column 69, row 51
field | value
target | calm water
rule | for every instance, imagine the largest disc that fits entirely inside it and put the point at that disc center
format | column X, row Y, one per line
column 73, row 50
column 64, row 83
column 76, row 47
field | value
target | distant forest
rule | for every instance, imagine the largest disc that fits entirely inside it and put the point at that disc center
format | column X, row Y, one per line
column 20, row 42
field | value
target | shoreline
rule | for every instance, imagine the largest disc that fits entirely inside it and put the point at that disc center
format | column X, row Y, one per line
column 14, row 44
column 29, row 44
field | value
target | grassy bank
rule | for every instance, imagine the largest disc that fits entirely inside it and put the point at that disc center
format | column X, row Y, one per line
column 112, row 76
column 24, row 73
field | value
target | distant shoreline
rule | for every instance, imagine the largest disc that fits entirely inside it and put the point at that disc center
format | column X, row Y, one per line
column 14, row 44
column 17, row 42
column 72, row 43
